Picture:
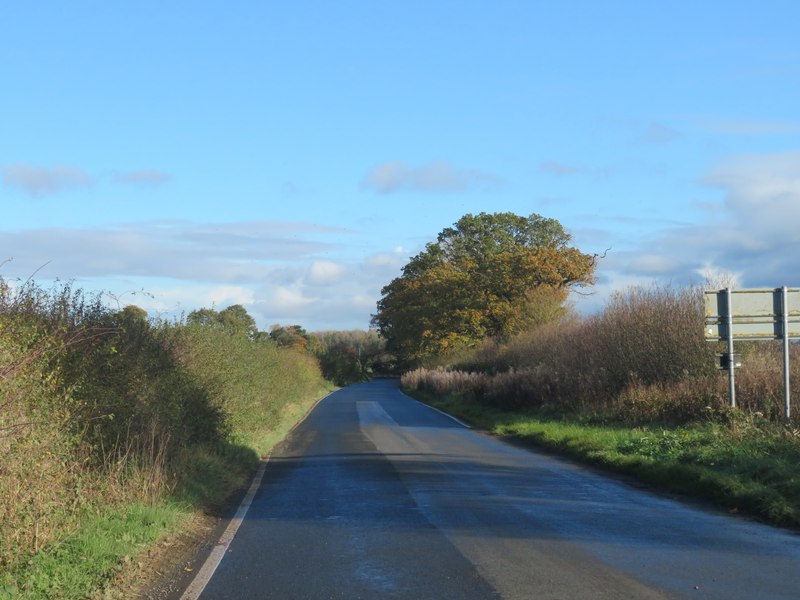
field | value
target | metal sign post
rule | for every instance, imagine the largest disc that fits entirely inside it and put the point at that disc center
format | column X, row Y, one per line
column 754, row 314
column 787, row 408
column 731, row 365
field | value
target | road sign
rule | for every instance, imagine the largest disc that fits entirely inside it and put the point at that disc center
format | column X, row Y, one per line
column 756, row 314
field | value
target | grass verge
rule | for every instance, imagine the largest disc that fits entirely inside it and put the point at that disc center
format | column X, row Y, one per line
column 744, row 465
column 104, row 544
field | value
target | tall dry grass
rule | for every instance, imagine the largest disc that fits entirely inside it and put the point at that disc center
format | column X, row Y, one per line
column 642, row 358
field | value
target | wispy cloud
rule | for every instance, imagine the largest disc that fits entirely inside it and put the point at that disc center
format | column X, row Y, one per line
column 437, row 176
column 216, row 253
column 275, row 269
column 40, row 181
column 753, row 232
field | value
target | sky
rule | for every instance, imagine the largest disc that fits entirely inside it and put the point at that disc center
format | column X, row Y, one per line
column 292, row 156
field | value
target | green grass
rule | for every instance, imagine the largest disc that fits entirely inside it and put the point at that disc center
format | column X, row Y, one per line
column 87, row 559
column 746, row 465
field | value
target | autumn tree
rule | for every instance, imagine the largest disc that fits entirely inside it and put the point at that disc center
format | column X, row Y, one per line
column 488, row 276
column 291, row 336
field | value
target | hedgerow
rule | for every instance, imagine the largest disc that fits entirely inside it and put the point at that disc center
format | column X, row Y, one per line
column 103, row 410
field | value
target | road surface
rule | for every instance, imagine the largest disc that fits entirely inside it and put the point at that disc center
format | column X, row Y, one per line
column 375, row 495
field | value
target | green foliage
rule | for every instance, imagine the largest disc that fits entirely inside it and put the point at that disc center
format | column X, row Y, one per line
column 82, row 562
column 129, row 392
column 488, row 276
column 252, row 382
column 291, row 336
column 349, row 356
column 102, row 410
column 233, row 319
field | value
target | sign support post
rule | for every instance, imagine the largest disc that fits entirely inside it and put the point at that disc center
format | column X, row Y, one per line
column 787, row 408
column 755, row 314
column 731, row 369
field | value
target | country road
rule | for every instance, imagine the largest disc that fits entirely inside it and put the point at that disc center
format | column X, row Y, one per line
column 375, row 495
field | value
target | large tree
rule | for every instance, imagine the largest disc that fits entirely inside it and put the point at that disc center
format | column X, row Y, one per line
column 488, row 276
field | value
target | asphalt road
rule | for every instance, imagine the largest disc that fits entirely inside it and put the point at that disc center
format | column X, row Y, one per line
column 375, row 495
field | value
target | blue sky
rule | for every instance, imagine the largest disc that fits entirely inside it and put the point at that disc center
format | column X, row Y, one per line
column 291, row 156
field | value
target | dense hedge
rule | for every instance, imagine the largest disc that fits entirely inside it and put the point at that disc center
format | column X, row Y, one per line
column 103, row 408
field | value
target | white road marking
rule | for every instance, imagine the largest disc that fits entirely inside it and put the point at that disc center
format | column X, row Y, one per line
column 205, row 573
column 211, row 563
column 441, row 412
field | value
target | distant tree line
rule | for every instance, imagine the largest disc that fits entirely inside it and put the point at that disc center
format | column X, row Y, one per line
column 344, row 357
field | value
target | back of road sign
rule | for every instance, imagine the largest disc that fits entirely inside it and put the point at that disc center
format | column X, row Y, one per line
column 756, row 314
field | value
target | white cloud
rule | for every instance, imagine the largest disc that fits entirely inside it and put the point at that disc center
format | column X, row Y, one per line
column 170, row 268
column 289, row 298
column 437, row 176
column 39, row 181
column 763, row 191
column 387, row 260
column 346, row 302
column 229, row 253
column 653, row 264
column 751, row 237
column 718, row 278
column 325, row 273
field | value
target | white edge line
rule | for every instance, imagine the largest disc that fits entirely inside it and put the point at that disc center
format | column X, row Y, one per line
column 211, row 563
column 441, row 412
column 205, row 573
